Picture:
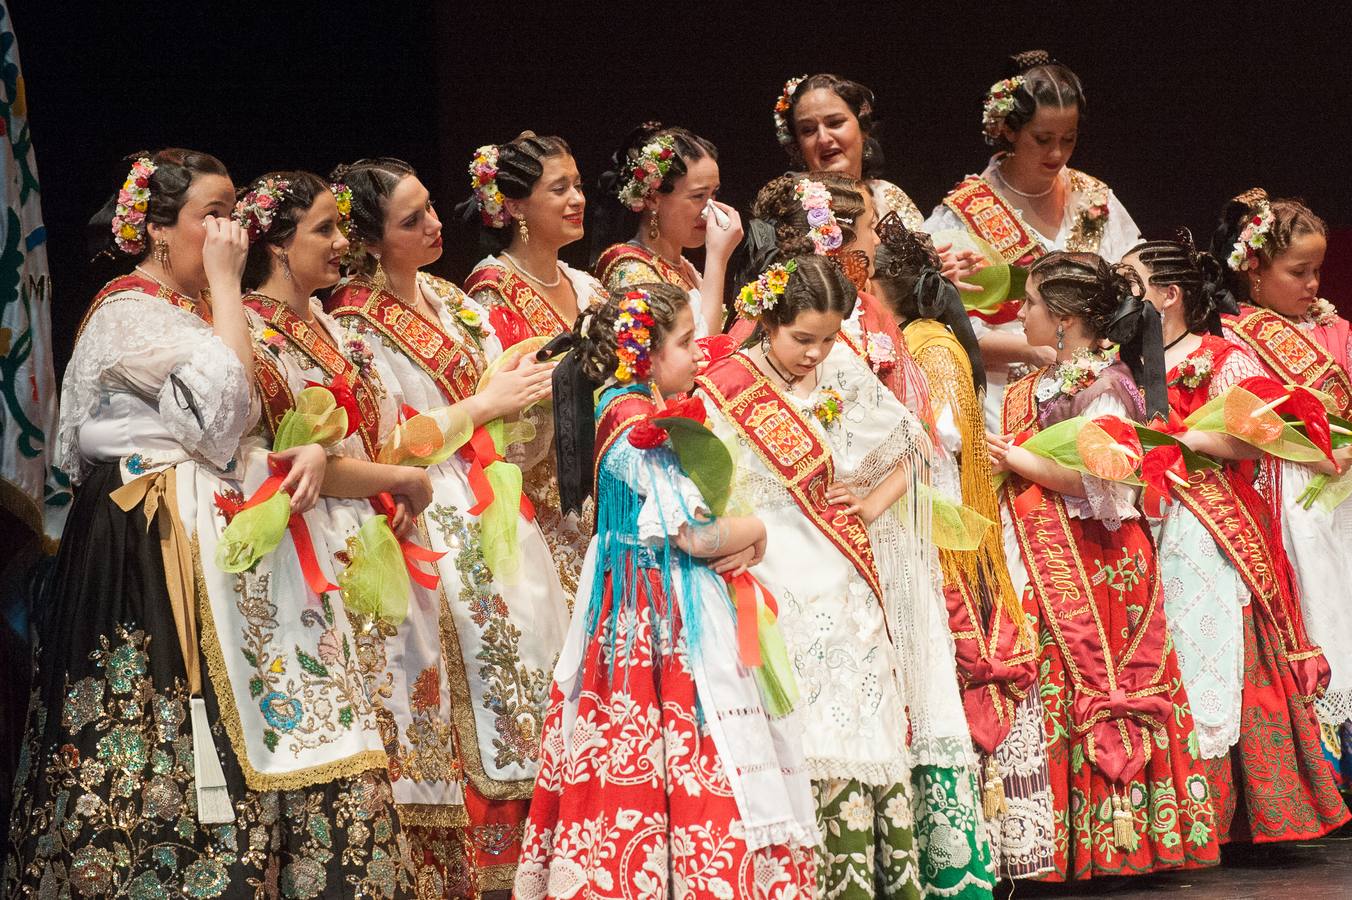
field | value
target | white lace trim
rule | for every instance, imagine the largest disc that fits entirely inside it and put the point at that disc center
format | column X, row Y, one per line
column 1335, row 707
column 785, row 833
column 882, row 774
column 212, row 373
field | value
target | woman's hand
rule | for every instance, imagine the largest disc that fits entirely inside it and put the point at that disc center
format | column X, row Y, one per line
column 999, row 446
column 224, row 252
column 401, row 523
column 413, row 487
column 512, row 390
column 305, row 475
column 719, row 242
column 956, row 265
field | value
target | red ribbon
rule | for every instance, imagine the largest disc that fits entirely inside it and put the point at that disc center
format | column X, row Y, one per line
column 481, row 453
column 745, row 590
column 300, row 532
column 1154, row 468
column 413, row 553
column 1007, row 311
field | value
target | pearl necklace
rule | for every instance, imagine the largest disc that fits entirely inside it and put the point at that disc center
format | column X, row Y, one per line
column 1000, row 171
column 547, row 285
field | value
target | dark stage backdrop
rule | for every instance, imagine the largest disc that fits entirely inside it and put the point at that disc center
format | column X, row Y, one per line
column 1188, row 105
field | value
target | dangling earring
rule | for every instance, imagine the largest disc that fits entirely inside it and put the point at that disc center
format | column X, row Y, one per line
column 1060, row 337
column 161, row 253
column 286, row 264
column 1257, row 287
column 522, row 230
column 652, row 227
column 378, row 279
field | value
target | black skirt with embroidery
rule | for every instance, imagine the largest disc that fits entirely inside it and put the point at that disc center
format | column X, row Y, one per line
column 106, row 796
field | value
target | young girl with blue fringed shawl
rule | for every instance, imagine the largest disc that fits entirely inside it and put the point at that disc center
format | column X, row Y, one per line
column 670, row 760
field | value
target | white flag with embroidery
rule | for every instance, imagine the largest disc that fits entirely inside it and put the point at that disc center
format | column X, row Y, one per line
column 30, row 485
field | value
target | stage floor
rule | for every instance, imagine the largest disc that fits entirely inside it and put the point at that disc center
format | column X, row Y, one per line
column 1321, row 870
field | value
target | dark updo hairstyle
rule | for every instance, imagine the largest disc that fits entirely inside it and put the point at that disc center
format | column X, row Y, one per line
column 1291, row 219
column 817, row 284
column 779, row 227
column 1109, row 301
column 861, row 102
column 906, row 273
column 590, row 363
column 611, row 222
column 303, row 188
column 175, row 170
column 371, row 182
column 1200, row 277
column 1046, row 82
column 521, row 162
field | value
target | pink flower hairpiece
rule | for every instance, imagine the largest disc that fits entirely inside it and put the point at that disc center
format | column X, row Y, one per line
column 129, row 218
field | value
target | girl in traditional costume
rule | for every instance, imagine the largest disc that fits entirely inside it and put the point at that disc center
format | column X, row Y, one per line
column 529, row 204
column 671, row 763
column 128, row 786
column 993, row 630
column 1229, row 593
column 1273, row 250
column 505, row 613
column 815, row 432
column 831, row 214
column 1130, row 791
column 1028, row 202
column 666, row 181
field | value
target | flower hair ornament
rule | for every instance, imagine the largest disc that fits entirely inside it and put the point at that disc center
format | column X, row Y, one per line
column 1253, row 235
column 483, row 179
column 342, row 195
column 823, row 227
column 129, row 219
column 782, row 129
column 999, row 104
column 633, row 338
column 647, row 171
column 764, row 293
column 258, row 207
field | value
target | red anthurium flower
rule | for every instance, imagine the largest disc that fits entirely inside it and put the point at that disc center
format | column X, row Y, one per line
column 685, row 408
column 1158, row 470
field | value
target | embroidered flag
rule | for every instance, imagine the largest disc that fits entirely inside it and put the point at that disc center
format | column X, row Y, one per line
column 31, row 487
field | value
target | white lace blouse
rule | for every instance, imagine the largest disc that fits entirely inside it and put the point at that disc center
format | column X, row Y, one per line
column 149, row 385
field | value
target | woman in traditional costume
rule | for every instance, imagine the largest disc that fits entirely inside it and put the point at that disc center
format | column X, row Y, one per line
column 505, row 613
column 1028, row 202
column 529, row 204
column 1273, row 251
column 128, row 786
column 1129, row 787
column 992, row 628
column 672, row 765
column 666, row 181
column 1229, row 593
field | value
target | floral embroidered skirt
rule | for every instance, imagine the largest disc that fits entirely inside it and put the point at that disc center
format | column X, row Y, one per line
column 1275, row 784
column 1171, row 811
column 106, row 774
column 635, row 803
column 868, row 839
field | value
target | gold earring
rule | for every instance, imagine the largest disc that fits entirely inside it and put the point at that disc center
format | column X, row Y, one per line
column 652, row 228
column 522, row 230
column 1060, row 337
column 286, row 264
column 161, row 253
column 1257, row 286
column 378, row 279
